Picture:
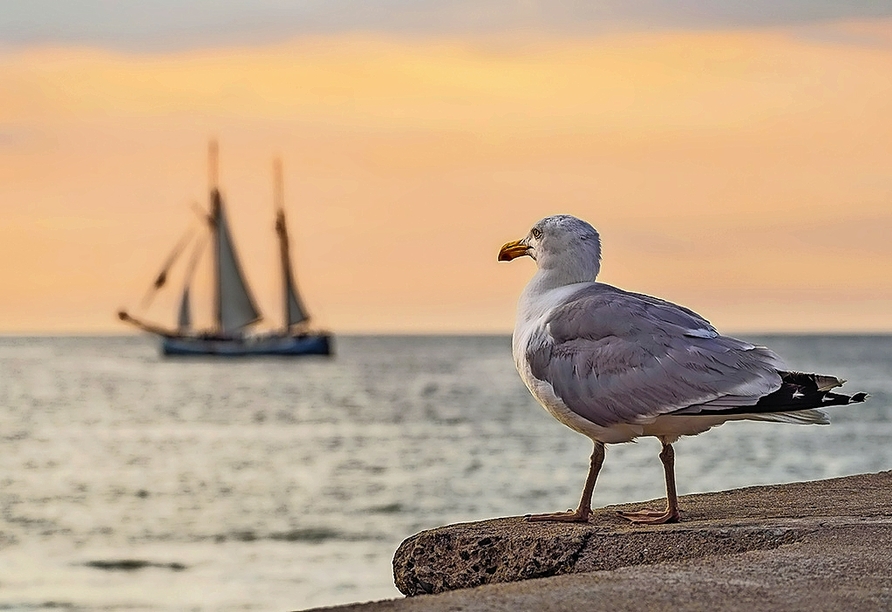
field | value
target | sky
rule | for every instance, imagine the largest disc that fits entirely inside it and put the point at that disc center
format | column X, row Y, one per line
column 736, row 157
column 174, row 24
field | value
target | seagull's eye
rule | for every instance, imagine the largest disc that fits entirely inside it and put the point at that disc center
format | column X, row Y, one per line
column 536, row 232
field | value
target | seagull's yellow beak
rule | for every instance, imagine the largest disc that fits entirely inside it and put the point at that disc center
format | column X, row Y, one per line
column 513, row 250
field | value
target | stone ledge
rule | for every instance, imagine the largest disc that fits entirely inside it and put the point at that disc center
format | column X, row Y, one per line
column 509, row 550
column 841, row 567
column 468, row 555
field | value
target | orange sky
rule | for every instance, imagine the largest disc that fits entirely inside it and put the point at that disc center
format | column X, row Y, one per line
column 745, row 174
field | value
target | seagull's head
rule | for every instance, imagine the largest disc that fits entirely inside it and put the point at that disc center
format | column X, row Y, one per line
column 570, row 246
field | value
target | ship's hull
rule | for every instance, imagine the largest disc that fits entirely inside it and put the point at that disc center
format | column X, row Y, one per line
column 281, row 345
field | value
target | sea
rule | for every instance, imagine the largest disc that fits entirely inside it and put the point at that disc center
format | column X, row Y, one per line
column 130, row 481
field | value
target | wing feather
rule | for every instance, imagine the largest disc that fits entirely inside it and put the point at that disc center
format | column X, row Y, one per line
column 618, row 357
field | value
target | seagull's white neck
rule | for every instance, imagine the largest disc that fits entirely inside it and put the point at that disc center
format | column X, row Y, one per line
column 545, row 288
column 552, row 278
column 552, row 274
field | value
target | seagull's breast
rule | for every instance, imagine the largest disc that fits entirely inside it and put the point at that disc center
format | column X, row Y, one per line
column 533, row 310
column 531, row 333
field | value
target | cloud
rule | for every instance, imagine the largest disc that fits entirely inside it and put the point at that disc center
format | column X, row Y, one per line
column 170, row 24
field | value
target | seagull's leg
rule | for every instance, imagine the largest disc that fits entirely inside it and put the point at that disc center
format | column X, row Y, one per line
column 670, row 515
column 584, row 511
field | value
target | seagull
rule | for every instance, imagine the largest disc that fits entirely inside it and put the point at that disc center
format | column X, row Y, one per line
column 615, row 365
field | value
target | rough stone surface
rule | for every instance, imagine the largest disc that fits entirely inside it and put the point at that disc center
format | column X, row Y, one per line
column 512, row 549
column 818, row 546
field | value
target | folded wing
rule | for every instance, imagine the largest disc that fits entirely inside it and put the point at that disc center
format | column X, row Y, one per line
column 618, row 357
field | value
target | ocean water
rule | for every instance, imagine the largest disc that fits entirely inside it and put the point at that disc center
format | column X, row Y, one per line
column 133, row 482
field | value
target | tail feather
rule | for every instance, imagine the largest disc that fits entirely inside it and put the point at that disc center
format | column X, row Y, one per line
column 798, row 392
column 802, row 417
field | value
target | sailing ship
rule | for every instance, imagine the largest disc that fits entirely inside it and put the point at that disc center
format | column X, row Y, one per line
column 234, row 309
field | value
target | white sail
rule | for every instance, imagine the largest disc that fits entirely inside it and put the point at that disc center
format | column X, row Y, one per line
column 184, row 318
column 235, row 306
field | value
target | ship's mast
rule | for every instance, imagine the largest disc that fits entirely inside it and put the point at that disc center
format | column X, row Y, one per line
column 293, row 310
column 282, row 232
column 214, row 222
column 213, row 154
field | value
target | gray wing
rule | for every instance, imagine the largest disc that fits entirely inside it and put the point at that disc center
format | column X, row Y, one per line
column 619, row 357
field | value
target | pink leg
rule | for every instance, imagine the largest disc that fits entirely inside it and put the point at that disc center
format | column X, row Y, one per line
column 670, row 515
column 584, row 511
